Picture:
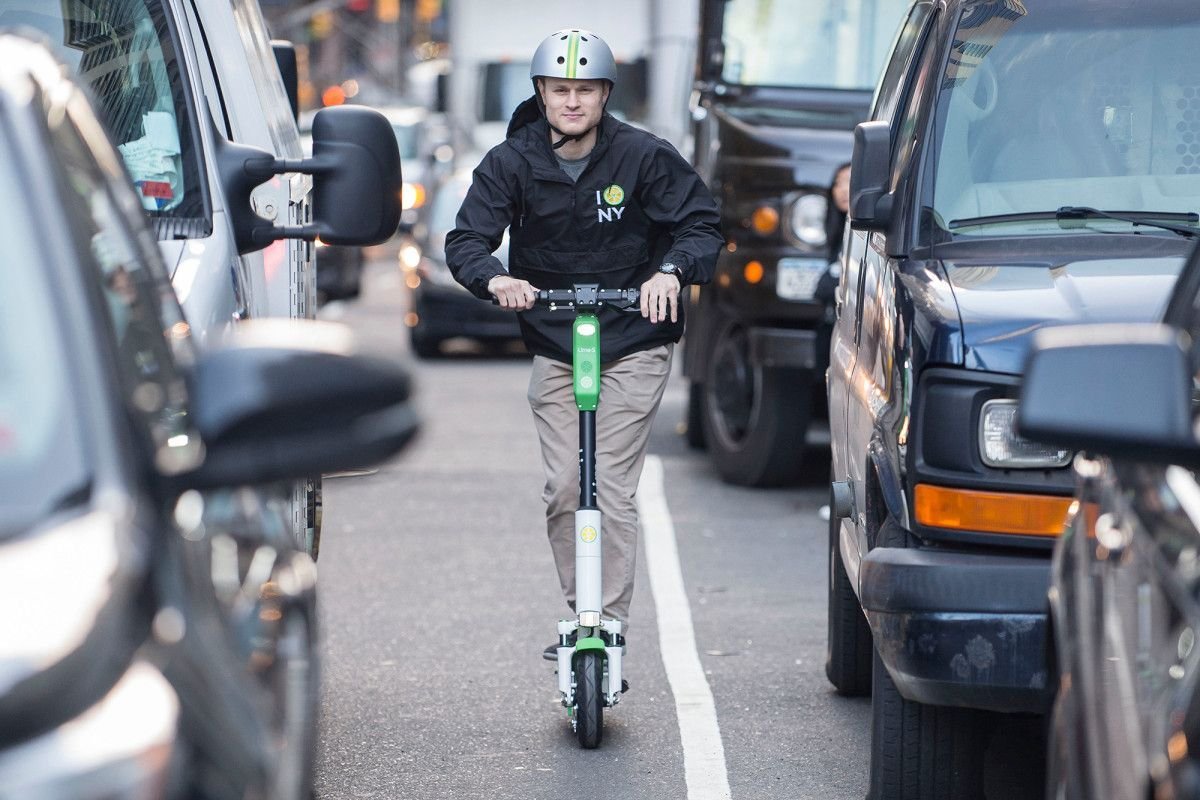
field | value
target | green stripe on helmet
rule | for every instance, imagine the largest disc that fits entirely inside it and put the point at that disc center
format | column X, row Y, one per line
column 572, row 54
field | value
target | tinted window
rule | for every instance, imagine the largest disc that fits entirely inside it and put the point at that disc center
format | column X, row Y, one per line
column 123, row 52
column 143, row 315
column 1068, row 104
column 892, row 82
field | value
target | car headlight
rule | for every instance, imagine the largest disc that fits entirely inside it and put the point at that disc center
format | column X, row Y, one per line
column 807, row 219
column 1000, row 446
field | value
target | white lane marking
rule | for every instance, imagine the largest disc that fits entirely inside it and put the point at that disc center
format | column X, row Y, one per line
column 703, row 752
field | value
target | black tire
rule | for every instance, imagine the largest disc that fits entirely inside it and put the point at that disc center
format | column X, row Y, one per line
column 922, row 752
column 849, row 650
column 695, row 416
column 755, row 417
column 315, row 515
column 589, row 698
column 424, row 345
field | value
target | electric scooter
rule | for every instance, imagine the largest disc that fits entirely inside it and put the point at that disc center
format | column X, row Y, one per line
column 590, row 648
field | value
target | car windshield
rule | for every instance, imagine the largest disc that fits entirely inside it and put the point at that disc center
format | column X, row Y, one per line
column 123, row 52
column 820, row 44
column 44, row 466
column 1069, row 104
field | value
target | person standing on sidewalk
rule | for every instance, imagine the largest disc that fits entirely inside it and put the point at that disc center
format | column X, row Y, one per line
column 587, row 198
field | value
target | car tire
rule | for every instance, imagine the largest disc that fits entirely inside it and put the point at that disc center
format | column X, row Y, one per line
column 694, row 422
column 423, row 345
column 849, row 650
column 922, row 752
column 755, row 417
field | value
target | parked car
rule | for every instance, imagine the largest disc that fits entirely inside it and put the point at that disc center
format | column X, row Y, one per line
column 1004, row 185
column 182, row 87
column 438, row 307
column 147, row 653
column 1124, row 606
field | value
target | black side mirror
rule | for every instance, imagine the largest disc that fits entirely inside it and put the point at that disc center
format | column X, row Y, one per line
column 355, row 158
column 1122, row 390
column 285, row 57
column 870, row 173
column 282, row 399
column 357, row 181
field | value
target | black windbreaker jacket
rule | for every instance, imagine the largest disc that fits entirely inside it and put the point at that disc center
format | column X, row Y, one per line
column 637, row 205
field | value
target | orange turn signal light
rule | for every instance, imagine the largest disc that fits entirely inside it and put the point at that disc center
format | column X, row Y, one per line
column 753, row 271
column 990, row 512
column 764, row 220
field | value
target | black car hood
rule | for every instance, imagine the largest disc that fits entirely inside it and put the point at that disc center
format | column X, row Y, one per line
column 1001, row 303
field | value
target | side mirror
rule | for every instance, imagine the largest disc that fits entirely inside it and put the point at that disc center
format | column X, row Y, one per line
column 285, row 57
column 870, row 172
column 1122, row 390
column 357, row 181
column 282, row 399
column 357, row 176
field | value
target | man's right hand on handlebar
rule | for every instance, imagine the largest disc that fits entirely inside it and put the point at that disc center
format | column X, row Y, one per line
column 512, row 293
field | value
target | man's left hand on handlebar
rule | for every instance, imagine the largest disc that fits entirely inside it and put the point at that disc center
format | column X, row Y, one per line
column 658, row 294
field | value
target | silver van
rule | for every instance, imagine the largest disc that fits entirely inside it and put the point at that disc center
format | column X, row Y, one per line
column 194, row 99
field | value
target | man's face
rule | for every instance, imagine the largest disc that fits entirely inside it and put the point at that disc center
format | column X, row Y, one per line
column 573, row 106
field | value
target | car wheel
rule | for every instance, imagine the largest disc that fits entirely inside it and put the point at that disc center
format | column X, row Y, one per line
column 695, row 416
column 849, row 651
column 315, row 503
column 755, row 417
column 922, row 752
column 424, row 345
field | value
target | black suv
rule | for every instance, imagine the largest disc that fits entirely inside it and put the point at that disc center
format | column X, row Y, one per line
column 1025, row 166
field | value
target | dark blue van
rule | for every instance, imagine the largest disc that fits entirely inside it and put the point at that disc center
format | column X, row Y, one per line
column 1027, row 164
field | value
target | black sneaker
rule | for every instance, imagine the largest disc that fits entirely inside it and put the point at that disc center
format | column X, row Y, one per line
column 551, row 652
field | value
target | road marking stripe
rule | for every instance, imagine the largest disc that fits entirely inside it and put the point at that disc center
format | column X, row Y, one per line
column 703, row 752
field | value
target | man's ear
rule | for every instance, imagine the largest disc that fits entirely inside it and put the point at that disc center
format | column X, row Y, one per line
column 608, row 87
column 539, row 86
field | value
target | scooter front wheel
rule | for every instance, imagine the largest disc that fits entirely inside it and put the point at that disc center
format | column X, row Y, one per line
column 589, row 698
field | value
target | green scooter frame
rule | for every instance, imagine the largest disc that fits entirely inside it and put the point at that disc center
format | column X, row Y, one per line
column 589, row 670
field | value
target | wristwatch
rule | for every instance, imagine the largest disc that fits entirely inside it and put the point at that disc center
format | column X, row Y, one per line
column 668, row 268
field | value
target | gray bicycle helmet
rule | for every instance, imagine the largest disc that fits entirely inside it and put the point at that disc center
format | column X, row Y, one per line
column 574, row 54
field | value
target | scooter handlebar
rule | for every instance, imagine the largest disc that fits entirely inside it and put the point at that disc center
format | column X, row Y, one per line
column 586, row 296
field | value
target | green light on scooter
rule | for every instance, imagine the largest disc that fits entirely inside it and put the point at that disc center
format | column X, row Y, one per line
column 586, row 341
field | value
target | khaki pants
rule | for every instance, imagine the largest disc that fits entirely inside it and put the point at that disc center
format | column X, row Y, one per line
column 630, row 391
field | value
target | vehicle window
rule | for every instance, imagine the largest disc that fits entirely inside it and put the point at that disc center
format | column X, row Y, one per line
column 1072, row 103
column 892, row 83
column 142, row 312
column 829, row 44
column 44, row 465
column 123, row 52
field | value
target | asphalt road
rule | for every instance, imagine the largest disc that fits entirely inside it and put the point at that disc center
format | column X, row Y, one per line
column 438, row 594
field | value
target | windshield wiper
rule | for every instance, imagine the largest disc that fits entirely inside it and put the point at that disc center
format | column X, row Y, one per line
column 1152, row 219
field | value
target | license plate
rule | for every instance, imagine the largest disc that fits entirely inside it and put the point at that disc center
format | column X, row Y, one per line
column 797, row 278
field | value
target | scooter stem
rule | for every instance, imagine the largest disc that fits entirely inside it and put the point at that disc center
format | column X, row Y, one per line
column 588, row 567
